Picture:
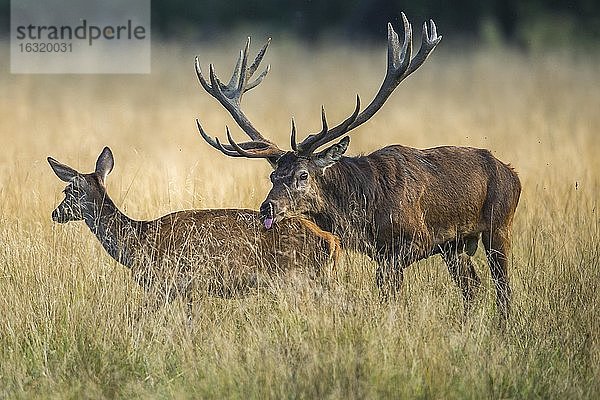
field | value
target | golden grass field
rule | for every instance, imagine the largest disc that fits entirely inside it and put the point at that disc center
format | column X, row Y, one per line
column 66, row 325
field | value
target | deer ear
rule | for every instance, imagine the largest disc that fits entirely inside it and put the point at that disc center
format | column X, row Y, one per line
column 332, row 154
column 105, row 163
column 64, row 172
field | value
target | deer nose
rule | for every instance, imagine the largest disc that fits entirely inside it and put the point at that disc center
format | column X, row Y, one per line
column 267, row 213
column 267, row 209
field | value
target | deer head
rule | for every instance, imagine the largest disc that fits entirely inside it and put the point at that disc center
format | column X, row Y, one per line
column 297, row 175
column 85, row 193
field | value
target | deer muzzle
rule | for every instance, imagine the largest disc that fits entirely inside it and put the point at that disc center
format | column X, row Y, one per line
column 267, row 213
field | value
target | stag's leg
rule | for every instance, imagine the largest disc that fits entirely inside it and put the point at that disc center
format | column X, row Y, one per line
column 189, row 310
column 463, row 273
column 389, row 277
column 185, row 287
column 497, row 248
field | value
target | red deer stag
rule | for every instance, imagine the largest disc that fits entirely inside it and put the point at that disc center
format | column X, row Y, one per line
column 398, row 204
column 222, row 252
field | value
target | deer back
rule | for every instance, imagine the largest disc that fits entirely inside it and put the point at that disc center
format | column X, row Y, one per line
column 227, row 252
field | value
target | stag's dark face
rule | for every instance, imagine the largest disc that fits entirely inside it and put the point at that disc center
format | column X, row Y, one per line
column 297, row 183
column 294, row 189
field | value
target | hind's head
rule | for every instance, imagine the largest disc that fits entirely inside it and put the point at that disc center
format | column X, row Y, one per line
column 84, row 193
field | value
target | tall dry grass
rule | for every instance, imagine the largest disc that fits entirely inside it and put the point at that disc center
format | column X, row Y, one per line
column 65, row 307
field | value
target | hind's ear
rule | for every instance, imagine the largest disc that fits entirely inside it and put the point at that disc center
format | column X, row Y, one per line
column 104, row 164
column 64, row 172
column 332, row 154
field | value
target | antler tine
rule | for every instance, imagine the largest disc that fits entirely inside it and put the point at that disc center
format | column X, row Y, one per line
column 313, row 138
column 323, row 122
column 393, row 46
column 226, row 151
column 429, row 41
column 237, row 70
column 206, row 136
column 214, row 142
column 406, row 52
column 243, row 77
column 257, row 60
column 258, row 80
column 293, row 136
column 313, row 142
column 201, row 78
column 255, row 149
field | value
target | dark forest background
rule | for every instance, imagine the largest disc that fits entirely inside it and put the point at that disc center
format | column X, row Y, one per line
column 524, row 23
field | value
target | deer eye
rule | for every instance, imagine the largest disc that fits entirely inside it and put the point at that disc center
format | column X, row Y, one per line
column 303, row 176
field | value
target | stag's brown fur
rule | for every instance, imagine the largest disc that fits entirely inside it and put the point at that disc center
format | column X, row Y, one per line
column 222, row 252
column 401, row 204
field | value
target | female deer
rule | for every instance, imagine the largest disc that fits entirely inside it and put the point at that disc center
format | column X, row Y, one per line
column 222, row 252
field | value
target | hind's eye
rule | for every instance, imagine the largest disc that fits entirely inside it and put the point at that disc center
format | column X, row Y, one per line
column 303, row 176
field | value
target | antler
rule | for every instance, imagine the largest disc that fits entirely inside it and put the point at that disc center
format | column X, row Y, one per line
column 399, row 67
column 230, row 96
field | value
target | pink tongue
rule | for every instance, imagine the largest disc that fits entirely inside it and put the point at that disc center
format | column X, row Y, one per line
column 268, row 222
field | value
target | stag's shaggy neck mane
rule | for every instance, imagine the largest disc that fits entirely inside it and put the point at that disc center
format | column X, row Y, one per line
column 115, row 230
column 353, row 189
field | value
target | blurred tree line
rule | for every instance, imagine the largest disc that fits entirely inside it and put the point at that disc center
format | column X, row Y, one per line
column 527, row 22
column 506, row 20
